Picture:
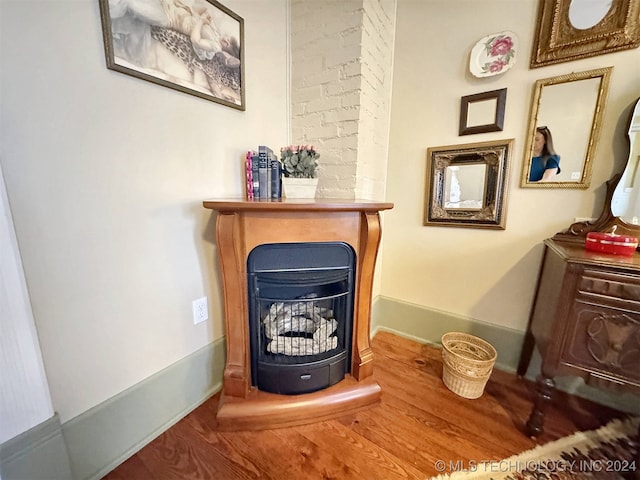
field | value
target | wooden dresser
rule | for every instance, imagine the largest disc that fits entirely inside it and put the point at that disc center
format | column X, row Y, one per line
column 585, row 322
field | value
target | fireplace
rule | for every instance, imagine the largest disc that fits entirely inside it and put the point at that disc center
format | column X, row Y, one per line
column 323, row 250
column 300, row 315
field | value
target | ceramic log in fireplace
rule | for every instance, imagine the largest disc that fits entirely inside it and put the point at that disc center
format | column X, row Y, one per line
column 300, row 315
column 243, row 227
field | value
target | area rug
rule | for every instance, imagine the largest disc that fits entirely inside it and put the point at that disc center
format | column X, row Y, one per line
column 608, row 453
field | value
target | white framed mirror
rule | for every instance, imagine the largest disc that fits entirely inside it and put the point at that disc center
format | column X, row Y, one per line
column 625, row 203
column 564, row 129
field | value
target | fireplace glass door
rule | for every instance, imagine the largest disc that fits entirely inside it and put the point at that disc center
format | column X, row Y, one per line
column 301, row 315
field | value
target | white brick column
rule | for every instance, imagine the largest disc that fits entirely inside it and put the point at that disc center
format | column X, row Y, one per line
column 342, row 52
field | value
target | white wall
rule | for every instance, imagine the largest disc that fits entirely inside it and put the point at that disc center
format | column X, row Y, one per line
column 105, row 176
column 326, row 81
column 375, row 99
column 340, row 91
column 24, row 394
column 487, row 275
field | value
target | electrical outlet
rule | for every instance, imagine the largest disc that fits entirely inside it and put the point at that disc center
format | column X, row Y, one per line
column 200, row 310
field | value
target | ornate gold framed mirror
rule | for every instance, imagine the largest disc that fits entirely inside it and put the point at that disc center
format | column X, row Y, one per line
column 467, row 185
column 571, row 29
column 564, row 128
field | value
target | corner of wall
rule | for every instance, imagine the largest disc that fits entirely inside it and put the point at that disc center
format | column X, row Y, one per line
column 40, row 452
column 105, row 436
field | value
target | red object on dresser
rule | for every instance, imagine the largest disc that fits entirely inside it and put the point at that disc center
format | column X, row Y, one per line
column 611, row 243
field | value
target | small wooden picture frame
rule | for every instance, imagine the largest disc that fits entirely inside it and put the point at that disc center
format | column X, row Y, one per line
column 482, row 112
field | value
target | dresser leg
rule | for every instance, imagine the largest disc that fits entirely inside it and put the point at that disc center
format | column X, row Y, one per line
column 544, row 391
column 525, row 353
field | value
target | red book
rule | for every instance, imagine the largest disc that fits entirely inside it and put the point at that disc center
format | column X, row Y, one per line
column 248, row 176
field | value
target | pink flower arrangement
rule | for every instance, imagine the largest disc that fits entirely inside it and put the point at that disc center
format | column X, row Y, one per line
column 297, row 148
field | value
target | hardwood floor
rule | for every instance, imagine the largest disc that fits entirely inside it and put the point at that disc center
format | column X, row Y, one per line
column 418, row 422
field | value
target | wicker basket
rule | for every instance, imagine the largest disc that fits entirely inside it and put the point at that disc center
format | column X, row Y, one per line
column 467, row 363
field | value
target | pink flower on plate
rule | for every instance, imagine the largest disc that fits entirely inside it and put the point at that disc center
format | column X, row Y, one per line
column 501, row 46
column 497, row 66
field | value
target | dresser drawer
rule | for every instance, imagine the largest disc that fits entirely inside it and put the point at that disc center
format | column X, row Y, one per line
column 620, row 289
column 604, row 342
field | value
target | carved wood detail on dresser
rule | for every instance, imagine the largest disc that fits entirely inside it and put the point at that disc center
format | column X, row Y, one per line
column 585, row 322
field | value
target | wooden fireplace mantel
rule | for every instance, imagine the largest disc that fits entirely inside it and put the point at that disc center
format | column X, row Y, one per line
column 242, row 225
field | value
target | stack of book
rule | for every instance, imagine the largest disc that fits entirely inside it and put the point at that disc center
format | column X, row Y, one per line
column 263, row 174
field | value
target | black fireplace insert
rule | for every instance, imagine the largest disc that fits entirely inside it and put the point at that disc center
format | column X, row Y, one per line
column 300, row 315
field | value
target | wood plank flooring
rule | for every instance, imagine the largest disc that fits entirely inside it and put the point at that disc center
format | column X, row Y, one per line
column 418, row 422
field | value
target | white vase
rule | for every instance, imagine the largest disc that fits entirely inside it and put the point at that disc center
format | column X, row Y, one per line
column 299, row 187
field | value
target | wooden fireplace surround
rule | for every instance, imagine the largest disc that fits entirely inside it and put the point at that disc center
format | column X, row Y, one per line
column 242, row 225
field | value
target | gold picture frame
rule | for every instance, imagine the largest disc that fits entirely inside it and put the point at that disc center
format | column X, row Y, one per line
column 571, row 108
column 557, row 40
column 467, row 185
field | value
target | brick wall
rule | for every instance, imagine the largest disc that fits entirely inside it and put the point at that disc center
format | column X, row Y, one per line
column 342, row 54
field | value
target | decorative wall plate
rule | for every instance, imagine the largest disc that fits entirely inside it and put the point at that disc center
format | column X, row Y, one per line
column 493, row 54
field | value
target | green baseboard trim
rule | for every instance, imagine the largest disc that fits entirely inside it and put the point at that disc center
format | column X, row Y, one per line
column 38, row 453
column 103, row 437
column 427, row 325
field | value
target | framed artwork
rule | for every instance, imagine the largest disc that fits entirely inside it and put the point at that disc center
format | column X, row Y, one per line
column 467, row 185
column 482, row 112
column 194, row 47
column 571, row 30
